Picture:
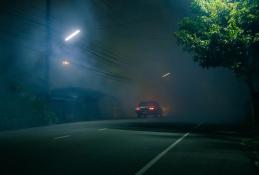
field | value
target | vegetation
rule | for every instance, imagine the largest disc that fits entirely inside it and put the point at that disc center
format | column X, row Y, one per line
column 224, row 33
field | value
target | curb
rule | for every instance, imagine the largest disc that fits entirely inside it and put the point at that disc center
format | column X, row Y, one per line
column 256, row 162
column 252, row 153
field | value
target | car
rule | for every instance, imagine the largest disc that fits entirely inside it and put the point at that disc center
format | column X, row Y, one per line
column 149, row 108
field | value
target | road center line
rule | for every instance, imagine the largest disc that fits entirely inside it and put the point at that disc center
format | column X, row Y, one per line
column 61, row 137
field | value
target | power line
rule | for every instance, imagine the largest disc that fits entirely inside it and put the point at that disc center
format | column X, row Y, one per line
column 20, row 13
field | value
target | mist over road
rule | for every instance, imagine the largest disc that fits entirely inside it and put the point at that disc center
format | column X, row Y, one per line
column 141, row 146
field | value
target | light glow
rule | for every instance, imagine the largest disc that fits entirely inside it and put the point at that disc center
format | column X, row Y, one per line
column 151, row 108
column 72, row 35
column 166, row 75
column 137, row 108
column 66, row 62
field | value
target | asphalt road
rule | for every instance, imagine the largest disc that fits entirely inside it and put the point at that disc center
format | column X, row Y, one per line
column 121, row 147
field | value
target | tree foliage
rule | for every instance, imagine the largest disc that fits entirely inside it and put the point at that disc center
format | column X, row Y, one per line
column 223, row 33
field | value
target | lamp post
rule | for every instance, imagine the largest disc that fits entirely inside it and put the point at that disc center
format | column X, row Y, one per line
column 48, row 47
column 48, row 51
column 67, row 62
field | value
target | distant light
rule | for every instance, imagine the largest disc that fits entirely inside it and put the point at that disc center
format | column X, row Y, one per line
column 166, row 75
column 151, row 108
column 66, row 62
column 72, row 35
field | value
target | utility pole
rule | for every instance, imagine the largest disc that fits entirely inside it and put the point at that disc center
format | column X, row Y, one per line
column 48, row 48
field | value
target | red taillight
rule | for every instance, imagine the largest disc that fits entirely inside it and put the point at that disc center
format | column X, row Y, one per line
column 151, row 108
column 137, row 108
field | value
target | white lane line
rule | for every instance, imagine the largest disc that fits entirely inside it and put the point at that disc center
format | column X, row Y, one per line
column 160, row 155
column 102, row 129
column 61, row 137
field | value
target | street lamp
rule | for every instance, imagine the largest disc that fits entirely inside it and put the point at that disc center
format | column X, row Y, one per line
column 166, row 75
column 48, row 47
column 65, row 62
column 72, row 35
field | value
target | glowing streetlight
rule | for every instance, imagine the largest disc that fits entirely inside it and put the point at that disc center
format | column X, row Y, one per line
column 65, row 62
column 72, row 35
column 166, row 75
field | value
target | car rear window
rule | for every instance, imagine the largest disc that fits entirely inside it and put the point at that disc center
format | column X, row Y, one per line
column 148, row 103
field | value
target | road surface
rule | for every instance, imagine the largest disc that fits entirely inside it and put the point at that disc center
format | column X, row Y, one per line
column 121, row 147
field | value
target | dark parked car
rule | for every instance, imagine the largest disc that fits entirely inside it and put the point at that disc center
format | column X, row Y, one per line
column 149, row 108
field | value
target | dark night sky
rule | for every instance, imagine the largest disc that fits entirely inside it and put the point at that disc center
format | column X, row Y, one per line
column 140, row 34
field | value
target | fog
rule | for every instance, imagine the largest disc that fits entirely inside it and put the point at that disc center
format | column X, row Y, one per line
column 124, row 48
column 143, row 33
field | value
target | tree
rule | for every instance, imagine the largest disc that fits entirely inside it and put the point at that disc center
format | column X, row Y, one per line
column 224, row 33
